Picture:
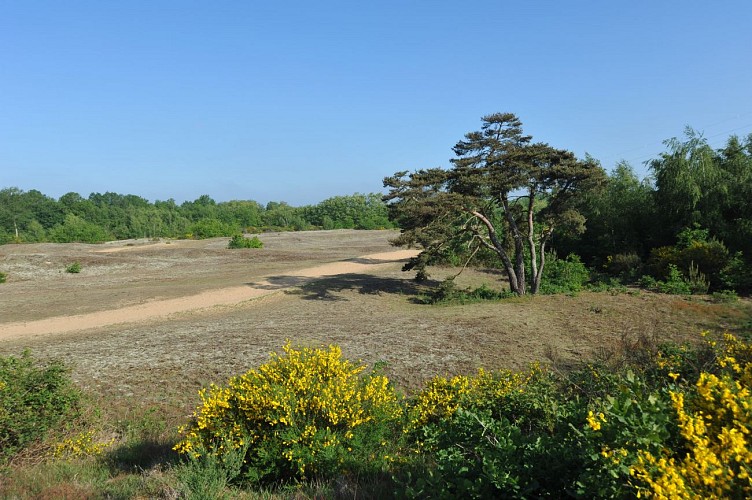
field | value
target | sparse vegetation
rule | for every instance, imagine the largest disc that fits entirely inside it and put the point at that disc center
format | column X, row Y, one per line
column 73, row 268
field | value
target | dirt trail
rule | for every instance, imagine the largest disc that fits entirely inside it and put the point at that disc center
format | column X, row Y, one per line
column 218, row 297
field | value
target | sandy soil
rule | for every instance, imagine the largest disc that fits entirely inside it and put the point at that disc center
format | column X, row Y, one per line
column 191, row 319
column 211, row 298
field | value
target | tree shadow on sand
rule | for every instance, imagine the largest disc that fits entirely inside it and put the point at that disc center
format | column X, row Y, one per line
column 366, row 284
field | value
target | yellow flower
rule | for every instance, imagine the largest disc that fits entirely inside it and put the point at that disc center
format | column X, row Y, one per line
column 594, row 421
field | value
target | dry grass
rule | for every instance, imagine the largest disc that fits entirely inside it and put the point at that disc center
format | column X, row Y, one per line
column 163, row 363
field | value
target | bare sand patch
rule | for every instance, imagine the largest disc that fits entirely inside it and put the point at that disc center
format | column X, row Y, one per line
column 204, row 300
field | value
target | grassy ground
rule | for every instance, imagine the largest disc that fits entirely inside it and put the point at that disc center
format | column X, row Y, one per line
column 145, row 377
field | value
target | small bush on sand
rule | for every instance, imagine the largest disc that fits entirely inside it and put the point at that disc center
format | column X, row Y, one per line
column 240, row 241
column 74, row 268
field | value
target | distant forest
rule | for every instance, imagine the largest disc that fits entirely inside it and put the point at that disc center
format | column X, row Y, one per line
column 32, row 217
column 692, row 215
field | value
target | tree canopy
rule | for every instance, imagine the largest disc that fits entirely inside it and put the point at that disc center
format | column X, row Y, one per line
column 504, row 193
column 30, row 216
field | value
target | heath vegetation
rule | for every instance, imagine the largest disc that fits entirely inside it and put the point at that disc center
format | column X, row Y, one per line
column 520, row 243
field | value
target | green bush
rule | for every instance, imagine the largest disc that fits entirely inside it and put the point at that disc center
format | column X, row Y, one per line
column 737, row 275
column 73, row 268
column 76, row 229
column 725, row 296
column 612, row 285
column 660, row 259
column 675, row 283
column 710, row 257
column 448, row 293
column 307, row 414
column 3, row 277
column 491, row 435
column 210, row 228
column 240, row 241
column 694, row 253
column 34, row 398
column 632, row 419
column 626, row 266
column 564, row 275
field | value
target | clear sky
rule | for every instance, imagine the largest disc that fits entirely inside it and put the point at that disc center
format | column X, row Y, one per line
column 302, row 100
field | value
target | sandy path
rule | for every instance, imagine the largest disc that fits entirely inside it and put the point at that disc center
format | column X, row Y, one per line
column 219, row 297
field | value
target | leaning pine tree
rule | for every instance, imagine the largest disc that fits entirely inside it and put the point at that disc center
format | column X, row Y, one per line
column 503, row 193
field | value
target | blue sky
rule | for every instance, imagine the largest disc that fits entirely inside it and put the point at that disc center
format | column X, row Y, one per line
column 300, row 101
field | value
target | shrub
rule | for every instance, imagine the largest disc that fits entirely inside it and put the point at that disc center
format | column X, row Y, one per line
column 613, row 286
column 737, row 275
column 491, row 435
column 448, row 293
column 632, row 419
column 626, row 266
column 693, row 249
column 73, row 268
column 239, row 241
column 660, row 259
column 675, row 283
column 305, row 414
column 564, row 275
column 34, row 398
column 3, row 277
column 709, row 257
column 210, row 228
column 713, row 457
column 725, row 296
column 76, row 229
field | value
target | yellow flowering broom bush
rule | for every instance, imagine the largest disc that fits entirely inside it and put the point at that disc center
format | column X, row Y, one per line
column 715, row 423
column 305, row 414
column 442, row 397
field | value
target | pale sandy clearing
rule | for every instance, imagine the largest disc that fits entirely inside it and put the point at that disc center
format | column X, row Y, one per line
column 208, row 299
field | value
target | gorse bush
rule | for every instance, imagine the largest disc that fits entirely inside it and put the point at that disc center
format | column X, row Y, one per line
column 714, row 456
column 442, row 397
column 34, row 398
column 305, row 414
column 240, row 241
column 674, row 422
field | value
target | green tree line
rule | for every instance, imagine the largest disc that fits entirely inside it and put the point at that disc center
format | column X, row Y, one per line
column 30, row 216
column 517, row 205
column 693, row 210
